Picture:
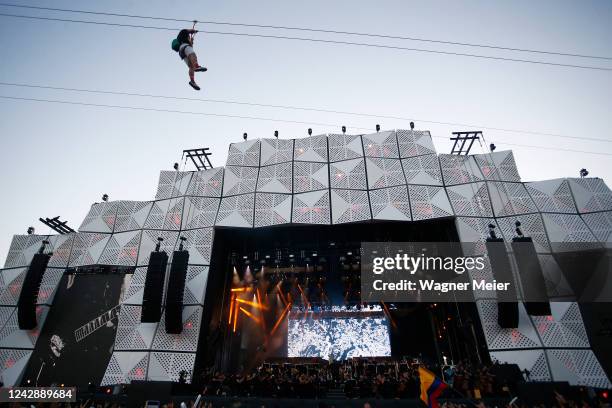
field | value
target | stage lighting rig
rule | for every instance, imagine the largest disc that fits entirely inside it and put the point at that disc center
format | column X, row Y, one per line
column 244, row 136
column 584, row 173
column 309, row 131
column 377, row 128
column 105, row 197
column 411, row 125
column 343, row 130
column 56, row 225
column 276, row 134
column 199, row 158
column 30, row 230
column 461, row 147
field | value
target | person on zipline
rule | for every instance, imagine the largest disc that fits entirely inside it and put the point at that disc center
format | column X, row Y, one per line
column 183, row 44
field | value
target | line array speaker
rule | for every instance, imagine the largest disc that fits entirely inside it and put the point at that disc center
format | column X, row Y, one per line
column 532, row 279
column 26, row 305
column 507, row 305
column 174, row 294
column 154, row 287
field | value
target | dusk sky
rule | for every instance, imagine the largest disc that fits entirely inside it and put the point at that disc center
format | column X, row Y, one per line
column 57, row 159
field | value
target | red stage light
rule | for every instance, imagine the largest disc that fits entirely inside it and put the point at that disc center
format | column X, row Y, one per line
column 139, row 373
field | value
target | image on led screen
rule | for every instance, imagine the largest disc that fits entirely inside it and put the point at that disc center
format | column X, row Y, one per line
column 339, row 338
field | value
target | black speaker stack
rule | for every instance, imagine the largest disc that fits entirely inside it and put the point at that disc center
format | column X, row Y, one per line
column 154, row 286
column 26, row 305
column 507, row 306
column 176, row 288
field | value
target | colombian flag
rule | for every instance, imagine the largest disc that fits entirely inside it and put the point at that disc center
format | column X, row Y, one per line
column 431, row 387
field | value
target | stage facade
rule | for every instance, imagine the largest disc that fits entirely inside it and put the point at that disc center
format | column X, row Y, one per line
column 296, row 196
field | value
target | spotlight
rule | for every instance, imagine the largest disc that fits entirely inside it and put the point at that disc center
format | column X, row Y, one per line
column 584, row 173
column 309, row 132
column 244, row 136
column 276, row 134
column 411, row 125
column 343, row 129
column 183, row 239
column 377, row 127
column 158, row 246
column 518, row 229
column 492, row 233
column 105, row 197
column 175, row 166
column 492, row 147
column 30, row 230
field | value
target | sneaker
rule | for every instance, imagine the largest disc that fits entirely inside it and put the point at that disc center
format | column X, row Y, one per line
column 194, row 85
column 201, row 69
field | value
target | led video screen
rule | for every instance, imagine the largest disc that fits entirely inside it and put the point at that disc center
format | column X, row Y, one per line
column 76, row 342
column 339, row 338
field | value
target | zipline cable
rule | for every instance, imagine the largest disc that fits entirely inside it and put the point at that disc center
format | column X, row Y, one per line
column 300, row 108
column 142, row 108
column 313, row 30
column 318, row 40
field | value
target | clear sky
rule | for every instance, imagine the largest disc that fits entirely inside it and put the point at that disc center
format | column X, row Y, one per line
column 59, row 159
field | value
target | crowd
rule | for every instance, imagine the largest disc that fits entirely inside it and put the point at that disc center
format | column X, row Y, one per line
column 355, row 378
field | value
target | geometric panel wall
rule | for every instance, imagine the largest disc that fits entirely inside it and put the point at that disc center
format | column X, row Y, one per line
column 533, row 361
column 323, row 179
column 381, row 144
column 459, row 169
column 310, row 176
column 244, row 153
column 239, row 180
column 510, row 199
column 312, row 149
column 200, row 212
column 578, row 367
column 344, row 147
column 601, row 225
column 414, row 143
column 207, row 183
column 348, row 174
column 531, row 226
column 498, row 166
column 349, row 206
column 173, row 184
column 236, row 211
column 101, row 218
column 429, row 202
column 552, row 196
column 470, row 199
column 276, row 178
column 311, row 208
column 423, row 170
column 272, row 209
column 274, row 151
column 384, row 173
column 131, row 215
column 22, row 249
column 390, row 204
column 591, row 195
